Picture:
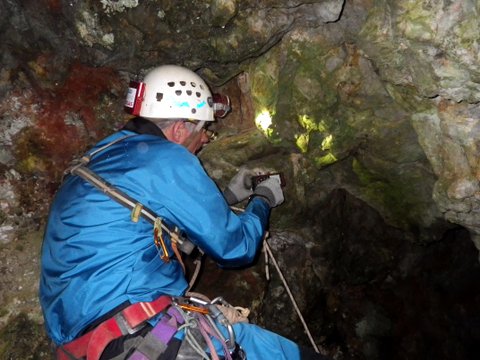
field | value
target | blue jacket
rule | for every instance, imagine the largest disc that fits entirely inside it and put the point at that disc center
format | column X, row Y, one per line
column 94, row 258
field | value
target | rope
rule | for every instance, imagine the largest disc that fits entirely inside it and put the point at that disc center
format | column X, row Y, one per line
column 86, row 159
column 292, row 298
column 269, row 254
column 207, row 328
column 205, row 333
column 191, row 323
column 196, row 272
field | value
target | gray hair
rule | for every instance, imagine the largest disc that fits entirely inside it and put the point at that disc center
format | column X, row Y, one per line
column 165, row 123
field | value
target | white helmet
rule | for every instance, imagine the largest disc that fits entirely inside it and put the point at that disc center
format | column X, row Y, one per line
column 174, row 92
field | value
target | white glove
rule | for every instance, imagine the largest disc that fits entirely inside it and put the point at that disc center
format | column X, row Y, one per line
column 270, row 190
column 240, row 187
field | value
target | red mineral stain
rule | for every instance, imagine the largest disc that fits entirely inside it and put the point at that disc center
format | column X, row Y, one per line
column 79, row 94
column 67, row 121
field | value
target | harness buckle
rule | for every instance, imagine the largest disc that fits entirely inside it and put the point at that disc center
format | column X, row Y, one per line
column 125, row 326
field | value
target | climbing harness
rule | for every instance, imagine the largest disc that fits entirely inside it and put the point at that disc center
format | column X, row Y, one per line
column 200, row 320
column 128, row 321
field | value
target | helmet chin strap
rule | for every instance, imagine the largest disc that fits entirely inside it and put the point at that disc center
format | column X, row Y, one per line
column 199, row 126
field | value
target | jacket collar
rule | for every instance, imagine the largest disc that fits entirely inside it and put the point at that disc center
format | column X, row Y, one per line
column 141, row 125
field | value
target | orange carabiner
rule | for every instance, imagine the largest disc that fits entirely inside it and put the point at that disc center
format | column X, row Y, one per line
column 194, row 308
column 160, row 243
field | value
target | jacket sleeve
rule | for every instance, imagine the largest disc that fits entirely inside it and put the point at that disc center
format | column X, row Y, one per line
column 195, row 204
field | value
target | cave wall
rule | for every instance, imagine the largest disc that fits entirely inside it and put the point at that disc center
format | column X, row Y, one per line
column 371, row 96
column 374, row 98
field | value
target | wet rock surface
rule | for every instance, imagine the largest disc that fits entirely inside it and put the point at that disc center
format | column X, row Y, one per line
column 22, row 335
column 375, row 301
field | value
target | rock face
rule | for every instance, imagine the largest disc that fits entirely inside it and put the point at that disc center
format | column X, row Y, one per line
column 370, row 107
column 428, row 53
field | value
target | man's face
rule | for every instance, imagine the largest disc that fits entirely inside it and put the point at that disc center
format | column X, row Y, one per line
column 193, row 138
column 188, row 134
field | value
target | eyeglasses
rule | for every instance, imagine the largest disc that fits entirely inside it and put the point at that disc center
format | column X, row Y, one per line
column 212, row 135
column 192, row 125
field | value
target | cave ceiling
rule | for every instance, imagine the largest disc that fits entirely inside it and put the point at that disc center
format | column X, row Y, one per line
column 375, row 97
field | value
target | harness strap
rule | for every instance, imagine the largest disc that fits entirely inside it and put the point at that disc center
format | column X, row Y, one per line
column 109, row 330
column 156, row 341
column 137, row 209
column 116, row 194
column 128, row 321
column 179, row 256
column 86, row 159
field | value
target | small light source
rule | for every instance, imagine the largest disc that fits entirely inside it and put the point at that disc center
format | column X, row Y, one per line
column 264, row 120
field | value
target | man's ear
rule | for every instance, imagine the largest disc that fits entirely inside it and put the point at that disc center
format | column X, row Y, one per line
column 178, row 131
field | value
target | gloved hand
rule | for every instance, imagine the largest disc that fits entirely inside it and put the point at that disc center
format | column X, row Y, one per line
column 271, row 191
column 240, row 187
